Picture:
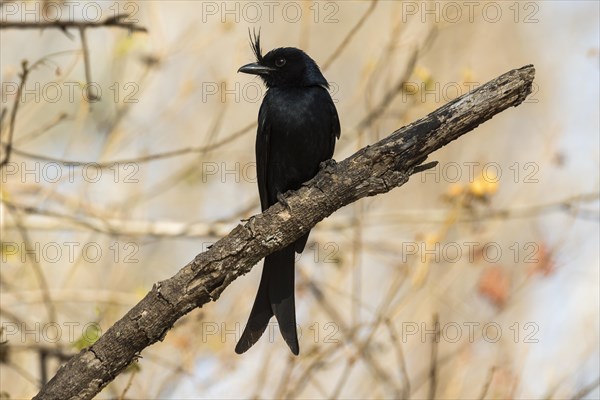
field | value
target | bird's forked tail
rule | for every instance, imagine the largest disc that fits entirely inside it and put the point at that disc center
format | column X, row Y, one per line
column 275, row 297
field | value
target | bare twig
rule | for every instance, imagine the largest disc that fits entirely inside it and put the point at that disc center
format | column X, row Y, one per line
column 128, row 386
column 401, row 361
column 391, row 94
column 285, row 377
column 350, row 362
column 349, row 336
column 584, row 391
column 91, row 97
column 13, row 115
column 145, row 159
column 433, row 372
column 350, row 35
column 37, row 268
column 40, row 131
column 488, row 382
column 3, row 113
column 119, row 21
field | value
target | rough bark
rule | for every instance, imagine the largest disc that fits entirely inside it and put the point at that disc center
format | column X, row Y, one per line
column 372, row 170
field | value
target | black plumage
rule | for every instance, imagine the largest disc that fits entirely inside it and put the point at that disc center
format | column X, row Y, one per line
column 297, row 129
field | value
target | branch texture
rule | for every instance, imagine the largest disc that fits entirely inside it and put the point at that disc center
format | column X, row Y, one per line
column 372, row 170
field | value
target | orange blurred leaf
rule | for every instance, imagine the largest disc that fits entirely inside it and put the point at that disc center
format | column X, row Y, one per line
column 544, row 265
column 494, row 284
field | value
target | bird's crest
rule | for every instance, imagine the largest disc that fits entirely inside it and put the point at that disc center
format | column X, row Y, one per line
column 255, row 44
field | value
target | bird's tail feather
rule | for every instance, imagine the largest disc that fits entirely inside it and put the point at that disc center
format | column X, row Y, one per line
column 275, row 296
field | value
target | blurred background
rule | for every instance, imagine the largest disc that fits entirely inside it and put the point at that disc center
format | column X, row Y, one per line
column 133, row 151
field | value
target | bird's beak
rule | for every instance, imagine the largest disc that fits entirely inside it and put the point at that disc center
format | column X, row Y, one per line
column 255, row 69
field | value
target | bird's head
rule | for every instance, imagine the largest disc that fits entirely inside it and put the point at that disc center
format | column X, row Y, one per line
column 285, row 66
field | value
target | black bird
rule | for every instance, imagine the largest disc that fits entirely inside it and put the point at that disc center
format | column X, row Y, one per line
column 297, row 128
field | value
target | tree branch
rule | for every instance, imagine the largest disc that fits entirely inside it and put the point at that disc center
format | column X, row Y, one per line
column 118, row 21
column 372, row 170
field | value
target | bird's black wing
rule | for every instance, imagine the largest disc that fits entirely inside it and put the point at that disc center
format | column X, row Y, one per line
column 336, row 130
column 262, row 155
column 329, row 115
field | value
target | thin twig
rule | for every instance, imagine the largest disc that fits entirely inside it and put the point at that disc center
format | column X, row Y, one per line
column 118, row 21
column 128, row 386
column 285, row 377
column 3, row 113
column 144, row 159
column 40, row 131
column 400, row 357
column 584, row 391
column 391, row 94
column 433, row 372
column 91, row 97
column 488, row 382
column 37, row 268
column 350, row 362
column 349, row 337
column 349, row 36
column 13, row 114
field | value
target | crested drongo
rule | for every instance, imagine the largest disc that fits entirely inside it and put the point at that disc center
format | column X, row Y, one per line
column 297, row 129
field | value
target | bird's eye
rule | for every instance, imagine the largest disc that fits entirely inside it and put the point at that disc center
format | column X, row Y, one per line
column 280, row 62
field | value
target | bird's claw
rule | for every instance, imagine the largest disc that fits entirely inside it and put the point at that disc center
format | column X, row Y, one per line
column 283, row 201
column 327, row 163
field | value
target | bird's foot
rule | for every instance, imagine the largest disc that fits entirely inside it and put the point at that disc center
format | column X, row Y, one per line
column 283, row 201
column 327, row 163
